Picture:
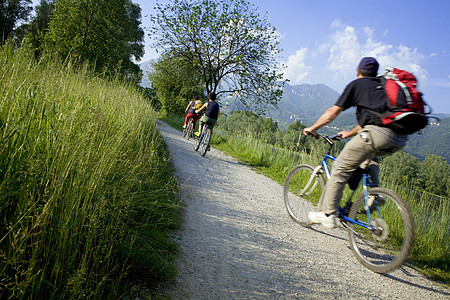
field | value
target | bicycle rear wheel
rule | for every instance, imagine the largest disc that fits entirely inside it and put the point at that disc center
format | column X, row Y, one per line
column 204, row 144
column 386, row 247
column 302, row 190
column 189, row 129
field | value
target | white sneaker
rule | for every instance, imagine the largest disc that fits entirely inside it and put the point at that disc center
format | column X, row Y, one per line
column 320, row 217
column 184, row 126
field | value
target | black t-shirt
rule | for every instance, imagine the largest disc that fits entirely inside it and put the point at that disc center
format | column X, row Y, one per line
column 212, row 110
column 366, row 94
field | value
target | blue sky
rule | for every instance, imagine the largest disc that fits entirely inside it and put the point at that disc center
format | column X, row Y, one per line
column 323, row 40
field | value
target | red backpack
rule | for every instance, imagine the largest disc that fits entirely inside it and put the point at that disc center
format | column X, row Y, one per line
column 405, row 107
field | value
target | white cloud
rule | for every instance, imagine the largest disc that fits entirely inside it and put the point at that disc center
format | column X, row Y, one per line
column 347, row 48
column 296, row 69
column 342, row 52
column 337, row 24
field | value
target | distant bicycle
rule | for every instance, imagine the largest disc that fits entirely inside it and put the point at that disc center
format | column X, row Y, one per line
column 380, row 227
column 189, row 130
column 203, row 140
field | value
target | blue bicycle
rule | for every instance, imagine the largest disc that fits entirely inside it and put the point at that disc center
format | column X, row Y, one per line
column 380, row 227
column 204, row 140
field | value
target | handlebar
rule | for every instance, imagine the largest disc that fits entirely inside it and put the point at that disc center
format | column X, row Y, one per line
column 328, row 138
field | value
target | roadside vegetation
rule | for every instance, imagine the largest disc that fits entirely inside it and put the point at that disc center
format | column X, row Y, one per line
column 87, row 192
column 241, row 135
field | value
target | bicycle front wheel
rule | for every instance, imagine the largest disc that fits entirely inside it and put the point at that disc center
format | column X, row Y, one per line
column 385, row 247
column 197, row 141
column 204, row 144
column 185, row 131
column 302, row 189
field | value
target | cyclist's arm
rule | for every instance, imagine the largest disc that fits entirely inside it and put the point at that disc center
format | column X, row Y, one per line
column 346, row 134
column 187, row 107
column 329, row 115
column 201, row 108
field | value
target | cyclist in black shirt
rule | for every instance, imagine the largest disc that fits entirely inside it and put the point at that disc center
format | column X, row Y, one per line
column 211, row 114
column 369, row 141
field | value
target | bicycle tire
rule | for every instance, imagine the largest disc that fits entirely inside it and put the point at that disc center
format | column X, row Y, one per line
column 185, row 132
column 301, row 194
column 205, row 142
column 387, row 247
column 189, row 129
column 197, row 140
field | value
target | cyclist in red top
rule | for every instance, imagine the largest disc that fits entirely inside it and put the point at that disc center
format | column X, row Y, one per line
column 190, row 111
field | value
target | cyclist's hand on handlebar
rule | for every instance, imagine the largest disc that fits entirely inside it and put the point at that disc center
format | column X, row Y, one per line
column 310, row 132
column 345, row 134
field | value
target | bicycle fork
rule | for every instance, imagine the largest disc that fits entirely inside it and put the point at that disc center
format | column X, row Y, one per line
column 308, row 188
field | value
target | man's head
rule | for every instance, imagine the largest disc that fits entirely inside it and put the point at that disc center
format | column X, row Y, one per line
column 368, row 66
column 196, row 98
column 212, row 96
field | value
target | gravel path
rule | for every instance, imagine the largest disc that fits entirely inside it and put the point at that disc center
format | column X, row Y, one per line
column 237, row 241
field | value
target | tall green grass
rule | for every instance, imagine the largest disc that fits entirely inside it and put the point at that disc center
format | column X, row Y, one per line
column 87, row 193
column 431, row 214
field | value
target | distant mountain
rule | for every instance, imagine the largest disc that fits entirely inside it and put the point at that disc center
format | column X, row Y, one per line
column 304, row 102
column 433, row 139
column 307, row 102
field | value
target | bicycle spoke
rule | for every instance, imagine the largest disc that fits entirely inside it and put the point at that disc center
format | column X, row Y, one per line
column 387, row 245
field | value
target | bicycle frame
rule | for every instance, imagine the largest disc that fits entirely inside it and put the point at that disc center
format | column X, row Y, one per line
column 205, row 126
column 342, row 211
column 380, row 243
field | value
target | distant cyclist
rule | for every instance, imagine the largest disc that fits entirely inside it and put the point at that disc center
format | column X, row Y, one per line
column 190, row 111
column 211, row 114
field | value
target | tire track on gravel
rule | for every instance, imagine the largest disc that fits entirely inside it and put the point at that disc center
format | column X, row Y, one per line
column 237, row 241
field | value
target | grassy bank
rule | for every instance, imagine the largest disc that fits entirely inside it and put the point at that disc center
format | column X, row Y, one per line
column 431, row 214
column 87, row 193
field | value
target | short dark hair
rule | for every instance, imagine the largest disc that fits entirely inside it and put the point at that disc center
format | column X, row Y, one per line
column 212, row 96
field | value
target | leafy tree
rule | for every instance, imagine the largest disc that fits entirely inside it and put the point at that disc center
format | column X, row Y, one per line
column 176, row 82
column 267, row 130
column 232, row 48
column 434, row 175
column 400, row 168
column 249, row 124
column 11, row 12
column 294, row 138
column 106, row 33
column 34, row 32
column 150, row 94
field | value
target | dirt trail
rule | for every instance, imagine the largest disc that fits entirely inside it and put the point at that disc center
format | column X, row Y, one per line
column 237, row 241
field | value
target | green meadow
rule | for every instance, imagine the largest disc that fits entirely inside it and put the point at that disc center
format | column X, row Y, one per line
column 87, row 192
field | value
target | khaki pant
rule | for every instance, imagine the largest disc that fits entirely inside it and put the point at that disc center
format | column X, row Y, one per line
column 371, row 141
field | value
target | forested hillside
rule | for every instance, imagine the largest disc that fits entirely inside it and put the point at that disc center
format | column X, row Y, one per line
column 305, row 103
column 433, row 139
